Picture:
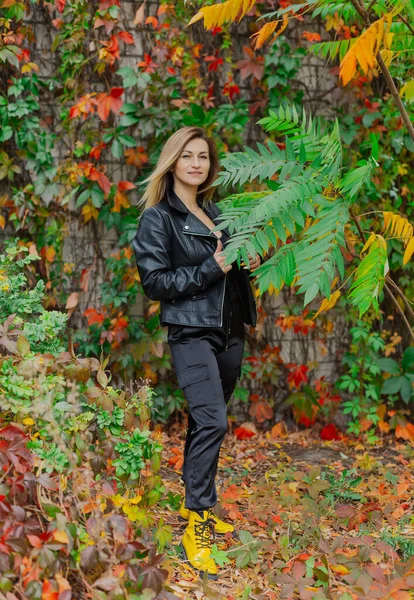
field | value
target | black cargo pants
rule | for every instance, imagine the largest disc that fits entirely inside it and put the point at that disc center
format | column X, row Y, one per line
column 207, row 362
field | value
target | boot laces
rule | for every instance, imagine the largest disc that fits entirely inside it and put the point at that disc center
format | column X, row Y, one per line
column 202, row 532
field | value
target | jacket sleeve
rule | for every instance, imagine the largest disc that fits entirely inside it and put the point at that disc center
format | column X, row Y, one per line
column 152, row 247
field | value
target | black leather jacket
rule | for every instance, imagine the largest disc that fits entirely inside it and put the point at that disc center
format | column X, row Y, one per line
column 174, row 255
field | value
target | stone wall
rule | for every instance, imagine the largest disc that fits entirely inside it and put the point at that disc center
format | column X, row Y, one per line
column 88, row 245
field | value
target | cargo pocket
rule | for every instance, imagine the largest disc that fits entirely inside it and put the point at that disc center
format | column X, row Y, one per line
column 194, row 381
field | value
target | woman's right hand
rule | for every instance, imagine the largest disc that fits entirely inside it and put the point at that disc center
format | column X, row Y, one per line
column 219, row 257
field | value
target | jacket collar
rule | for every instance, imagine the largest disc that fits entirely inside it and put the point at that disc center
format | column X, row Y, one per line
column 192, row 223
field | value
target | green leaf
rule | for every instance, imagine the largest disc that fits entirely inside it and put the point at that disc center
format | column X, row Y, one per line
column 408, row 359
column 388, row 365
column 163, row 534
column 406, row 390
column 83, row 197
column 219, row 556
column 392, row 385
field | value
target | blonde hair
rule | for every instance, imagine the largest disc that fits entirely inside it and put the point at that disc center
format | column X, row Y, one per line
column 161, row 178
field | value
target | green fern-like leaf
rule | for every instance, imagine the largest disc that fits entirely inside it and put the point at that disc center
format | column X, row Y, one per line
column 319, row 250
column 277, row 213
column 353, row 181
column 369, row 279
column 278, row 271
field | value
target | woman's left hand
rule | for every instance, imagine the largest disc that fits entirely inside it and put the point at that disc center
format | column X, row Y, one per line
column 254, row 263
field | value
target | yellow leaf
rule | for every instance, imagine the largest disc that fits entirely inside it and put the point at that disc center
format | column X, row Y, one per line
column 328, row 303
column 89, row 212
column 135, row 500
column 216, row 15
column 381, row 241
column 266, row 31
column 339, row 569
column 408, row 252
column 50, row 254
column 118, row 500
column 407, row 90
column 28, row 421
column 365, row 49
column 369, row 241
column 387, row 56
column 2, row 222
column 61, row 536
column 397, row 226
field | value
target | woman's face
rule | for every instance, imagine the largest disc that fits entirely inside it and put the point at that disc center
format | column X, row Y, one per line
column 193, row 164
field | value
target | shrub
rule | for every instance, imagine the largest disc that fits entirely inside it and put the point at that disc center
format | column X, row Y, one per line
column 75, row 514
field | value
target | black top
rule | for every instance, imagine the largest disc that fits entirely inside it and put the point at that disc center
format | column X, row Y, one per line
column 233, row 300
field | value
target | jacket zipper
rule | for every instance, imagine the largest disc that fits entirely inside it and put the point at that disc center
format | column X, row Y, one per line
column 222, row 301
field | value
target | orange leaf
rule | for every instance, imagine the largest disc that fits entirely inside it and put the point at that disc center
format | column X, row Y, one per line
column 406, row 432
column 50, row 254
column 35, row 541
column 61, row 536
column 47, row 591
column 232, row 494
column 109, row 102
column 126, row 185
column 94, row 316
column 261, row 411
column 152, row 20
column 311, row 37
column 120, row 201
column 278, row 430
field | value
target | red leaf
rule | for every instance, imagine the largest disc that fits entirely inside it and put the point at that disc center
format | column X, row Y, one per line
column 60, row 5
column 298, row 374
column 242, row 433
column 125, row 37
column 330, row 432
column 94, row 316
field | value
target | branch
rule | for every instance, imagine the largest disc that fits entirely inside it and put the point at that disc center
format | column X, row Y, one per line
column 400, row 310
column 387, row 75
column 396, row 95
column 401, row 294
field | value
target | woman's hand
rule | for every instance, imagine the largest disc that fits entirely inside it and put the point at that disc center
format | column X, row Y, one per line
column 219, row 257
column 254, row 263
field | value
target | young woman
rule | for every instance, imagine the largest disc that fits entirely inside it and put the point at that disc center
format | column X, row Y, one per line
column 204, row 303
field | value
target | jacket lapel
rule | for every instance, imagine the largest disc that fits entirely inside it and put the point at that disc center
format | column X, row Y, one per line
column 192, row 224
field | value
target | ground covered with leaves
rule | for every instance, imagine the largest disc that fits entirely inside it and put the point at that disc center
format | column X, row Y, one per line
column 314, row 519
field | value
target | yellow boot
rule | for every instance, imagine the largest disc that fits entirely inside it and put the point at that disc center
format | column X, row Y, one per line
column 196, row 543
column 220, row 527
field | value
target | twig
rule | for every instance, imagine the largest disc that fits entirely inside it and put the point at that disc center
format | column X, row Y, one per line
column 404, row 20
column 400, row 310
